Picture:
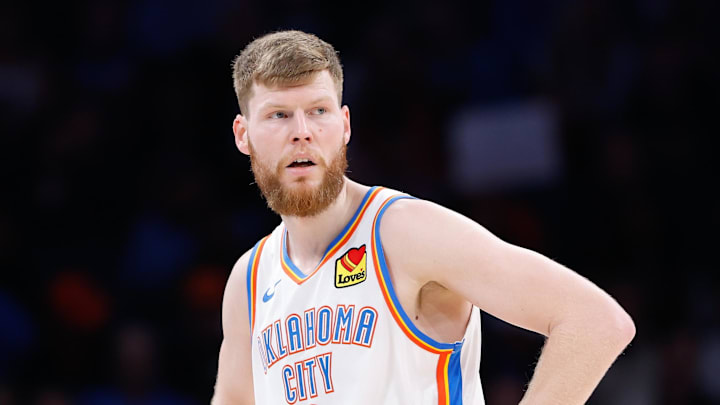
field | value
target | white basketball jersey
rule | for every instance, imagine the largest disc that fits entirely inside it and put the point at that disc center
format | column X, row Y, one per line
column 338, row 334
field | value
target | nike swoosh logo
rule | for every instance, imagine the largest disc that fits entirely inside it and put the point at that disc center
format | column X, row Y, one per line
column 266, row 296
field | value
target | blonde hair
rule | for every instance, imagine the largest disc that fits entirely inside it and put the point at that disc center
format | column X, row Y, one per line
column 284, row 58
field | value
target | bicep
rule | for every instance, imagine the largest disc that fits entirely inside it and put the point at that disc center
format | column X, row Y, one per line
column 517, row 285
column 520, row 286
column 234, row 380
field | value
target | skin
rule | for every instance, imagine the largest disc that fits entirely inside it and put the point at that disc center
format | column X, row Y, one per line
column 460, row 263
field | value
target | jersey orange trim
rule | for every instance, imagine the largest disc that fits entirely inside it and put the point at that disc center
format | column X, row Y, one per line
column 441, row 375
column 253, row 280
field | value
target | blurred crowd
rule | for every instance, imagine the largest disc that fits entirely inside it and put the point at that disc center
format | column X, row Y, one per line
column 580, row 129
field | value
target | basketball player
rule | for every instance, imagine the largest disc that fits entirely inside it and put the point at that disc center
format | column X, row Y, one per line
column 365, row 295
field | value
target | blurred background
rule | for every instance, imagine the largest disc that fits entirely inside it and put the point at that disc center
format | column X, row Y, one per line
column 580, row 129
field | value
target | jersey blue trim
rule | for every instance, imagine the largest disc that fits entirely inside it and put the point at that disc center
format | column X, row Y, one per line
column 388, row 282
column 455, row 378
column 286, row 257
column 248, row 276
column 287, row 260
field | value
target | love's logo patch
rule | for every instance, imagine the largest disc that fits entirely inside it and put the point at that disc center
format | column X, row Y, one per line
column 351, row 268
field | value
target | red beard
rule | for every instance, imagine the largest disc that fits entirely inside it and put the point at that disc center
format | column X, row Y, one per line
column 300, row 201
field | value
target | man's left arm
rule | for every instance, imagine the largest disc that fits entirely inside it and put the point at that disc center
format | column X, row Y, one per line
column 586, row 329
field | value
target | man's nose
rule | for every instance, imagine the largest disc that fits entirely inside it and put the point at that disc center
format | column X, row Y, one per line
column 302, row 128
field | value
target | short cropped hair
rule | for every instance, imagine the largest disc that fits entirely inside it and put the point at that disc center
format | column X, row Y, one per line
column 284, row 58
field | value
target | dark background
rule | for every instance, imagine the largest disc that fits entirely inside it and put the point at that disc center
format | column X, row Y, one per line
column 586, row 129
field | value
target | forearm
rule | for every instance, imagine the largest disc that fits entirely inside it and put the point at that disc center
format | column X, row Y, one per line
column 575, row 358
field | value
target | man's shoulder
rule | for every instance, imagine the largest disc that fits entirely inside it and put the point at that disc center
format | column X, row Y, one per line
column 413, row 230
column 407, row 221
column 407, row 211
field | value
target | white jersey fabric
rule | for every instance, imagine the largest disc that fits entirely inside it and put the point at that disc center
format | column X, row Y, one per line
column 338, row 334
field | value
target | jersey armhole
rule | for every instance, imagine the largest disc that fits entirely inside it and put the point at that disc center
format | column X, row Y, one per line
column 448, row 373
column 388, row 290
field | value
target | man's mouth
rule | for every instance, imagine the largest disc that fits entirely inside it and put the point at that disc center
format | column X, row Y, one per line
column 301, row 163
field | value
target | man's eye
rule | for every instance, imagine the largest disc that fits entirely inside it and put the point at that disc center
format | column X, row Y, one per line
column 278, row 114
column 320, row 110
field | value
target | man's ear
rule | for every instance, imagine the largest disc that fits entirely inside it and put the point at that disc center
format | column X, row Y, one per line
column 346, row 123
column 241, row 135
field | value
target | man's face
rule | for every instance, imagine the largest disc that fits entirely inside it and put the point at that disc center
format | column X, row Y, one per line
column 296, row 138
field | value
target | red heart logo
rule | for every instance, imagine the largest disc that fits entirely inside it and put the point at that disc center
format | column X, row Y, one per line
column 356, row 254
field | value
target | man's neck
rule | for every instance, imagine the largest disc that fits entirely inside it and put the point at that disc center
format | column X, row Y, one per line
column 309, row 237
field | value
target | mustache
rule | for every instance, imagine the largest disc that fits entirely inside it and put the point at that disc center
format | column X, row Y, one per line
column 315, row 158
